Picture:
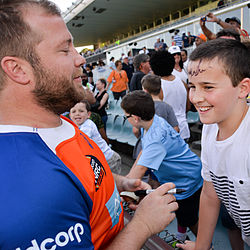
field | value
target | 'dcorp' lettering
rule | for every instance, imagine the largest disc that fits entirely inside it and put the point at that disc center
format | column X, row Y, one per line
column 61, row 239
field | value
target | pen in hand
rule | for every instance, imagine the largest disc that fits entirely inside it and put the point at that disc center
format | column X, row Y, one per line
column 171, row 191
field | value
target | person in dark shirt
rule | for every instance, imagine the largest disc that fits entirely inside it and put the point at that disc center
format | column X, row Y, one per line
column 128, row 68
column 185, row 40
column 142, row 67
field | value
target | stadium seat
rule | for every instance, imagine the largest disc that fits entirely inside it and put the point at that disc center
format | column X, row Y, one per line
column 126, row 134
column 192, row 117
column 110, row 124
column 111, row 106
column 116, row 128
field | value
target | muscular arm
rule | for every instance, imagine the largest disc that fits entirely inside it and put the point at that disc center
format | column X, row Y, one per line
column 217, row 20
column 207, row 32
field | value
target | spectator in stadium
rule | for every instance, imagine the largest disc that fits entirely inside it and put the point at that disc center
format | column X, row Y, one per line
column 142, row 67
column 101, row 101
column 128, row 68
column 228, row 34
column 191, row 39
column 184, row 55
column 167, row 156
column 221, row 4
column 80, row 114
column 178, row 67
column 174, row 90
column 185, row 40
column 112, row 63
column 130, row 59
column 172, row 41
column 58, row 176
column 144, row 50
column 158, row 44
column 177, row 39
column 152, row 85
column 164, row 45
column 90, row 73
column 233, row 22
column 200, row 38
column 184, row 58
column 119, row 80
column 225, row 137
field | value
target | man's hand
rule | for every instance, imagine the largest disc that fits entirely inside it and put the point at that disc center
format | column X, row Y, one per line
column 156, row 210
column 189, row 245
column 212, row 17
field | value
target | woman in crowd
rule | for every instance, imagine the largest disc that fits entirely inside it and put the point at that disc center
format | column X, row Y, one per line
column 120, row 81
column 101, row 100
column 178, row 67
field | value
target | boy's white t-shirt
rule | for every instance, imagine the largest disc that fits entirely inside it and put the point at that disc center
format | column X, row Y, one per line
column 175, row 94
column 90, row 129
column 227, row 164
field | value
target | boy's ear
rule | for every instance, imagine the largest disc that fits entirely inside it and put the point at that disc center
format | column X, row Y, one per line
column 244, row 88
column 89, row 114
column 137, row 118
column 17, row 69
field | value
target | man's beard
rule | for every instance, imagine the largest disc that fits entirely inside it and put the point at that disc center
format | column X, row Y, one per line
column 55, row 92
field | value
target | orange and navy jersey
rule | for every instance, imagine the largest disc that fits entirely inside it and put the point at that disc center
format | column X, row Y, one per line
column 67, row 200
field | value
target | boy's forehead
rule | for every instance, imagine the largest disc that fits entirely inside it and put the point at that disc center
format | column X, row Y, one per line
column 200, row 66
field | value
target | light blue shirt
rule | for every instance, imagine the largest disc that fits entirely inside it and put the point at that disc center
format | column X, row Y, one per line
column 170, row 158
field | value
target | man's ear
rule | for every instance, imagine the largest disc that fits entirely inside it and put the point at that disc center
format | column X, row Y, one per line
column 17, row 69
column 244, row 88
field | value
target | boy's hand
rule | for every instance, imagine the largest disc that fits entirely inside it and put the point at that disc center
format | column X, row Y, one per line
column 189, row 245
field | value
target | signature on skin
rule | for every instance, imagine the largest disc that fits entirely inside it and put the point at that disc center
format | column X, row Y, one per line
column 197, row 71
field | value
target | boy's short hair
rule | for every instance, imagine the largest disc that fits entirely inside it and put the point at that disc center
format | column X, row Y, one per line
column 87, row 105
column 162, row 63
column 139, row 103
column 233, row 56
column 151, row 83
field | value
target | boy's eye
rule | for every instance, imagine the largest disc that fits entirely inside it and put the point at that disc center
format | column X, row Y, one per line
column 208, row 87
column 191, row 86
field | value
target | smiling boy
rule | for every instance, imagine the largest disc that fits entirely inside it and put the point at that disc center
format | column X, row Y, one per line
column 219, row 73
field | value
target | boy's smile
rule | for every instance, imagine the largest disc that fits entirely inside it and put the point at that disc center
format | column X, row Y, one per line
column 212, row 92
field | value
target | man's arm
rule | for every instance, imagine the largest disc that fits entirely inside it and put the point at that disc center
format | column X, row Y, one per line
column 145, row 223
column 208, row 215
column 207, row 32
column 217, row 20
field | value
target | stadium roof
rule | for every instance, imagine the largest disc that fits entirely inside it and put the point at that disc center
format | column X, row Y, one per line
column 97, row 21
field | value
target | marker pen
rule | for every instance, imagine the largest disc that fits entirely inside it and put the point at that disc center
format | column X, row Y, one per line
column 171, row 191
